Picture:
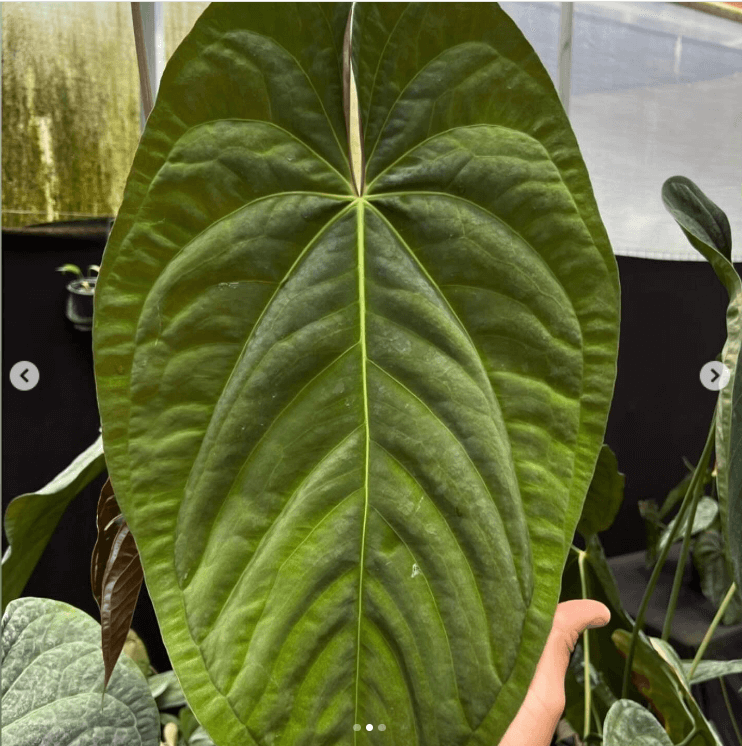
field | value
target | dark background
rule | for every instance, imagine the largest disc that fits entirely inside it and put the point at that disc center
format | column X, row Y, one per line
column 672, row 322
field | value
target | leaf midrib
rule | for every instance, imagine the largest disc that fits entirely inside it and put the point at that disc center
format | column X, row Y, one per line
column 360, row 240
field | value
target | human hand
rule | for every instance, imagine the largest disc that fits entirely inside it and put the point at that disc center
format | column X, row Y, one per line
column 537, row 719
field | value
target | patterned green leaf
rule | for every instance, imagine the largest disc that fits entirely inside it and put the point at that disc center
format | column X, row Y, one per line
column 629, row 724
column 352, row 434
column 52, row 679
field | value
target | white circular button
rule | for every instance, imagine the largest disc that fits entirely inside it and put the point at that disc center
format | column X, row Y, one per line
column 715, row 375
column 24, row 375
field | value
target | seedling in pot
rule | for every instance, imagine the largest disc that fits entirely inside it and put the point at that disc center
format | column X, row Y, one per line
column 87, row 282
column 80, row 299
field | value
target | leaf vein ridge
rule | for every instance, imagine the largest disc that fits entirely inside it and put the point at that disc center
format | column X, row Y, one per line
column 488, row 211
column 437, row 609
column 443, row 519
column 441, row 421
column 305, row 386
column 269, row 530
column 437, row 288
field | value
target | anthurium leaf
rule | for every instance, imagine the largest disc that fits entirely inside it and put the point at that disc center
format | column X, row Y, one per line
column 729, row 459
column 661, row 679
column 52, row 675
column 604, row 496
column 704, row 223
column 200, row 737
column 708, row 557
column 706, row 511
column 30, row 520
column 116, row 578
column 108, row 521
column 166, row 690
column 670, row 655
column 352, row 434
column 707, row 228
column 653, row 527
column 122, row 582
column 707, row 670
column 630, row 724
column 677, row 493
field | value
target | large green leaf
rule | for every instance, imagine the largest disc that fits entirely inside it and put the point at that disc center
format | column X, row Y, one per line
column 352, row 435
column 31, row 519
column 52, row 678
column 707, row 229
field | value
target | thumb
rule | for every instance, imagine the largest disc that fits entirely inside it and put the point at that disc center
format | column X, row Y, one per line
column 545, row 700
column 571, row 619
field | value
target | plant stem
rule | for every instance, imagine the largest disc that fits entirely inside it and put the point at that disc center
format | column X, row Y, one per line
column 639, row 623
column 597, row 718
column 712, row 628
column 585, row 647
column 732, row 719
column 689, row 737
column 680, row 569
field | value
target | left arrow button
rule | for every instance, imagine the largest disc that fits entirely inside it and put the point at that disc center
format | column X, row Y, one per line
column 24, row 375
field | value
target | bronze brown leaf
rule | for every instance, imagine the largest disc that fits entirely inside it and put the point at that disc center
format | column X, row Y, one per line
column 116, row 577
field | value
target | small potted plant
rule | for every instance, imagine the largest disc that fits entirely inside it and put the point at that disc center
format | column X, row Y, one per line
column 80, row 296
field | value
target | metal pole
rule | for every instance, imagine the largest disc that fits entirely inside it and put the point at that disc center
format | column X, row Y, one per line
column 565, row 53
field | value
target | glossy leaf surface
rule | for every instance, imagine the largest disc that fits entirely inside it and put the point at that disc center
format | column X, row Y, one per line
column 352, row 435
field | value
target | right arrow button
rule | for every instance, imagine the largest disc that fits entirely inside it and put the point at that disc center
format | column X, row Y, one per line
column 715, row 375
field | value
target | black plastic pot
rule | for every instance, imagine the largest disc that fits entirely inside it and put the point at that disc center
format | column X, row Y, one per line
column 80, row 303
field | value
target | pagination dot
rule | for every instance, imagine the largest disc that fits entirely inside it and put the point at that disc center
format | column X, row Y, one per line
column 381, row 726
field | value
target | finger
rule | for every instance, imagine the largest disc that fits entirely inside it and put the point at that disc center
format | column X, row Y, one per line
column 570, row 620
